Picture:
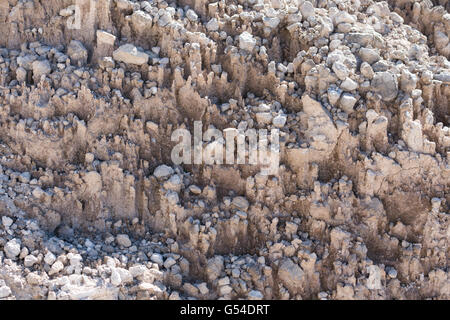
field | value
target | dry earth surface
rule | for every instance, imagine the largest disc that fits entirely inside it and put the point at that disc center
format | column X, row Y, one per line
column 92, row 206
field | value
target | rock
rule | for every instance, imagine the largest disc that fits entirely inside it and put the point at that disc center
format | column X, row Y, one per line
column 30, row 260
column 77, row 53
column 255, row 295
column 341, row 70
column 157, row 258
column 123, row 240
column 347, row 102
column 291, row 275
column 307, row 10
column 138, row 270
column 163, row 171
column 343, row 17
column 26, row 61
column 374, row 280
column 443, row 77
column 191, row 15
column 41, row 67
column 21, row 74
column 385, row 84
column 214, row 268
column 241, row 203
column 7, row 221
column 164, row 19
column 212, row 25
column 279, row 121
column 203, row 288
column 246, row 41
column 349, row 85
column 129, row 54
column 5, row 291
column 263, row 117
column 49, row 258
column 334, row 95
column 115, row 278
column 369, row 55
column 367, row 71
column 105, row 38
column 142, row 21
column 169, row 262
column 12, row 249
column 225, row 290
column 57, row 267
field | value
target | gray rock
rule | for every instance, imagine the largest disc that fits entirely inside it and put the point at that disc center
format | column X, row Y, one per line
column 212, row 25
column 123, row 240
column 77, row 52
column 307, row 10
column 369, row 55
column 385, row 84
column 163, row 171
column 347, row 102
column 341, row 70
column 291, row 275
column 349, row 85
column 191, row 15
column 128, row 53
column 41, row 67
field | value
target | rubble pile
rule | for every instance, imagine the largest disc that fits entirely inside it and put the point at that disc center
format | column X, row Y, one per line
column 92, row 206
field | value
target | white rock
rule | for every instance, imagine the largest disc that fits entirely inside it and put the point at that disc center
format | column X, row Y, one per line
column 279, row 121
column 41, row 67
column 49, row 258
column 203, row 288
column 141, row 20
column 374, row 280
column 164, row 19
column 138, row 270
column 212, row 25
column 12, row 249
column 341, row 70
column 123, row 240
column 223, row 281
column 272, row 23
column 128, row 53
column 7, row 221
column 56, row 268
column 191, row 15
column 104, row 37
column 163, row 171
column 246, row 41
column 224, row 290
column 4, row 292
column 115, row 278
column 30, row 260
column 334, row 95
column 157, row 258
column 169, row 262
column 347, row 102
column 307, row 10
column 349, row 85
